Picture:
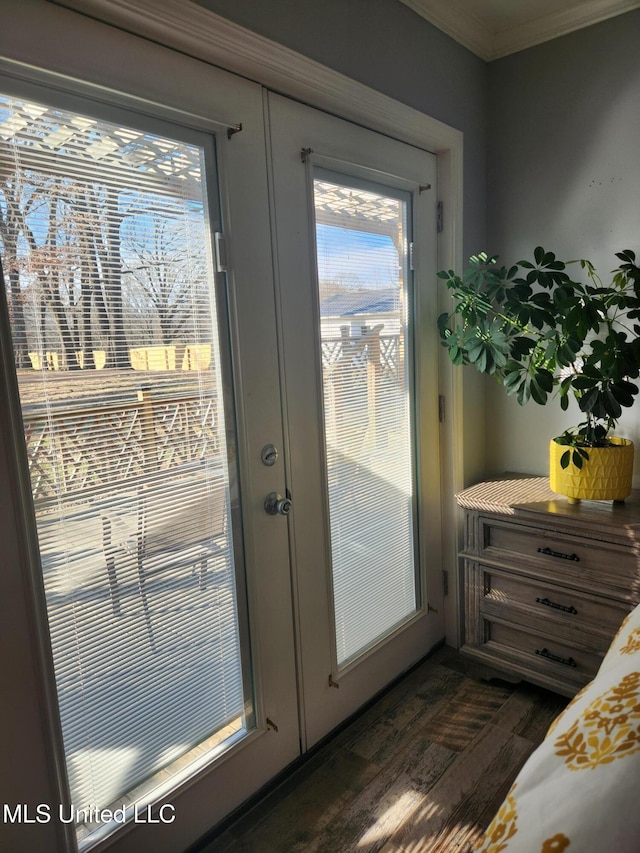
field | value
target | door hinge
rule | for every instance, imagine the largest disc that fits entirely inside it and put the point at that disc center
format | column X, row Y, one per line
column 441, row 408
column 439, row 215
column 412, row 249
column 220, row 251
column 445, row 582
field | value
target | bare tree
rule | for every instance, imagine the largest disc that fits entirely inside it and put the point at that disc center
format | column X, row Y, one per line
column 166, row 282
column 93, row 254
column 66, row 234
column 11, row 217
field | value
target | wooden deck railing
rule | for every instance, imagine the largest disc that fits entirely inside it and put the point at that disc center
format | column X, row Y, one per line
column 360, row 374
column 368, row 347
column 75, row 448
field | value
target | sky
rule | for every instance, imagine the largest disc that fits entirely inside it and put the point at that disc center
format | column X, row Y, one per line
column 358, row 258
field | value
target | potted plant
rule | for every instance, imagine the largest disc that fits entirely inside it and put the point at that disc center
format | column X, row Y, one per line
column 541, row 332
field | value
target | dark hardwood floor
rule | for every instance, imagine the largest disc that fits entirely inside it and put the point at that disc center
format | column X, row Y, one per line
column 422, row 769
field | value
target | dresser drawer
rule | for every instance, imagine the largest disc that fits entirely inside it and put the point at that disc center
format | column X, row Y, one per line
column 547, row 583
column 537, row 654
column 556, row 609
column 557, row 556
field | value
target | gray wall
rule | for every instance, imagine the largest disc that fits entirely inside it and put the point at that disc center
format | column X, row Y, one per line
column 387, row 46
column 563, row 172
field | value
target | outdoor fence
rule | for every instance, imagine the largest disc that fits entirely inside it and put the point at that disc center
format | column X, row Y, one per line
column 361, row 374
column 361, row 349
column 75, row 446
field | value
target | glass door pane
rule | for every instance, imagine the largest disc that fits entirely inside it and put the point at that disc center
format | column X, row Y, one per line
column 120, row 367
column 365, row 304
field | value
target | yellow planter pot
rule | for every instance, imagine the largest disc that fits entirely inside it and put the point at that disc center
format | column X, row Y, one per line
column 606, row 476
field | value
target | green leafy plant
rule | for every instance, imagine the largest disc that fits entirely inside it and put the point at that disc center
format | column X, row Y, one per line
column 541, row 332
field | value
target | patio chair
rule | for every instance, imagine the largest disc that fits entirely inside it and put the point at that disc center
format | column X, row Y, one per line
column 178, row 523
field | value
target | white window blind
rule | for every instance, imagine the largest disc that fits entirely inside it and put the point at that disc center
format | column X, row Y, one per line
column 103, row 233
column 361, row 242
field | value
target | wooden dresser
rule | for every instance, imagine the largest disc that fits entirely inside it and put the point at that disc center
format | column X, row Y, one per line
column 547, row 583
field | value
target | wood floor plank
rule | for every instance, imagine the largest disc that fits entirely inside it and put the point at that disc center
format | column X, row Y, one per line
column 386, row 802
column 457, row 723
column 441, row 681
column 543, row 712
column 228, row 843
column 264, row 808
column 494, row 802
column 457, row 800
column 381, row 741
column 388, row 729
column 420, row 771
column 529, row 712
column 304, row 813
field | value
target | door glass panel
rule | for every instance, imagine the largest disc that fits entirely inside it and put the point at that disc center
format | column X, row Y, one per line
column 114, row 319
column 364, row 299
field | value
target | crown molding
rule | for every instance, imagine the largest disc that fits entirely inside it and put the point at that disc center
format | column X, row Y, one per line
column 454, row 19
column 560, row 23
column 488, row 40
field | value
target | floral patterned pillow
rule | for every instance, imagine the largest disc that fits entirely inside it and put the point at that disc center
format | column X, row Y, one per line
column 579, row 791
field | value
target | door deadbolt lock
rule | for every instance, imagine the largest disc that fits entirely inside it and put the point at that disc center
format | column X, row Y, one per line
column 269, row 455
column 275, row 504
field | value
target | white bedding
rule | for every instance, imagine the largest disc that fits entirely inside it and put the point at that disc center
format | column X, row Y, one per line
column 580, row 790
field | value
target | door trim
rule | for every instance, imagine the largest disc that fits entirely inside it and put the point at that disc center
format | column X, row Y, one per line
column 205, row 35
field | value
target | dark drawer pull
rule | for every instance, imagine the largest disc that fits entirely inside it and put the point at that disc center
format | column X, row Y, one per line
column 559, row 554
column 545, row 653
column 547, row 603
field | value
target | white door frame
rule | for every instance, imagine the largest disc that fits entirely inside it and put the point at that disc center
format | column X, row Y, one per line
column 200, row 33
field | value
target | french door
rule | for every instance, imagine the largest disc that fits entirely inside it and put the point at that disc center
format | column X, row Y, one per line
column 170, row 399
column 355, row 229
column 141, row 361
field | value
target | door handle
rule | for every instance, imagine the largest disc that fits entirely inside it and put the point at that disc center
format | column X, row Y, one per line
column 275, row 504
